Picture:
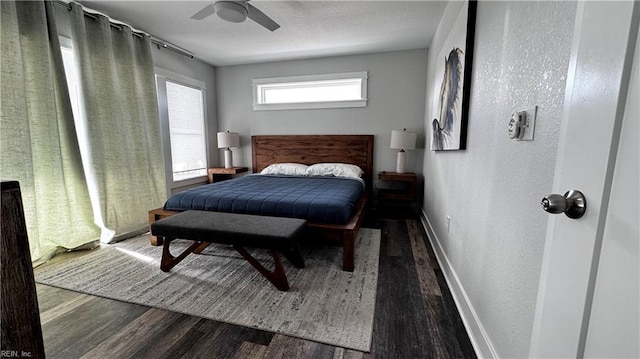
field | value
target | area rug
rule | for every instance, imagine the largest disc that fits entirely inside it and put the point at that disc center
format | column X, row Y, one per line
column 324, row 304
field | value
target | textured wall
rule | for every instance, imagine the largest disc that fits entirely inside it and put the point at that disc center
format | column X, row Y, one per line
column 396, row 91
column 492, row 190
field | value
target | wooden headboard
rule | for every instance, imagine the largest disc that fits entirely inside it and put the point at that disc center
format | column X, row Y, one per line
column 310, row 149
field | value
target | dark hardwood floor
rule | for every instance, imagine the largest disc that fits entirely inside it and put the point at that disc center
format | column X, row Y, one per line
column 415, row 317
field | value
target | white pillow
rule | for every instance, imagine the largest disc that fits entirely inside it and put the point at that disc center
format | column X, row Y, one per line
column 335, row 169
column 287, row 169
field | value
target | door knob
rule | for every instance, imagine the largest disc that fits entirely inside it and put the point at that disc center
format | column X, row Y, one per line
column 573, row 204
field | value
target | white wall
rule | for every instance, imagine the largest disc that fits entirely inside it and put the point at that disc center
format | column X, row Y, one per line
column 396, row 91
column 493, row 249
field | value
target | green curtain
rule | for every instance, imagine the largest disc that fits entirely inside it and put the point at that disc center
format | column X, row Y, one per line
column 38, row 144
column 124, row 160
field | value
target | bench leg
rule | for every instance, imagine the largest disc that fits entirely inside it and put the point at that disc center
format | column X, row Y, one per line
column 278, row 277
column 294, row 256
column 169, row 261
column 201, row 247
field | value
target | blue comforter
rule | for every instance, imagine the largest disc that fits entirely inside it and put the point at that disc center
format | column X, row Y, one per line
column 330, row 200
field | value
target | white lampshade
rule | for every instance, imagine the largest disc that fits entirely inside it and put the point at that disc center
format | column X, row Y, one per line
column 403, row 140
column 228, row 139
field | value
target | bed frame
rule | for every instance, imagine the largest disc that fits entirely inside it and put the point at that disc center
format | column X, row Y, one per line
column 310, row 149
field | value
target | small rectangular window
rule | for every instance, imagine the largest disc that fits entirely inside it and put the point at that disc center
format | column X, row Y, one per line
column 313, row 91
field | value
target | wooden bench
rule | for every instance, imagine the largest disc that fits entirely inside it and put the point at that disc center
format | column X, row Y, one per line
column 277, row 234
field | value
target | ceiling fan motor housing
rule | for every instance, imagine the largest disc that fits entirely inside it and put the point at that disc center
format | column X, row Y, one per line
column 232, row 11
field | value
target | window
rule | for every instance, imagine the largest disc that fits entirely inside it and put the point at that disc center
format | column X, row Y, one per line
column 186, row 131
column 72, row 77
column 314, row 91
column 182, row 121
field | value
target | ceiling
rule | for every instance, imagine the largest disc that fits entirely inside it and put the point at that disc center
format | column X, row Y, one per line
column 308, row 28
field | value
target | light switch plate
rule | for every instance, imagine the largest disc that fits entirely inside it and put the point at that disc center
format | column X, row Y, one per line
column 530, row 124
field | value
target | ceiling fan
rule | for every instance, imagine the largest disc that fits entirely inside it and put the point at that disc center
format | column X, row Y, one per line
column 236, row 11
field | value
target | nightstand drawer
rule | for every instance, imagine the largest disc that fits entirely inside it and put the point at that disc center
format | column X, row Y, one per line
column 397, row 186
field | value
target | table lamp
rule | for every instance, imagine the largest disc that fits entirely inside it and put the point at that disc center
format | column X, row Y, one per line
column 227, row 140
column 402, row 140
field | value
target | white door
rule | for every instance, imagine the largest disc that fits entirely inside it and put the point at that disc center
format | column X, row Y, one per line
column 588, row 299
column 614, row 324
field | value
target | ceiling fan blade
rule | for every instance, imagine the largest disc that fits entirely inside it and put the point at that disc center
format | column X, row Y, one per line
column 206, row 11
column 262, row 19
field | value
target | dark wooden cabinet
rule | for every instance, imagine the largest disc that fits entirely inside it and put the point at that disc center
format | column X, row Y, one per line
column 20, row 317
column 396, row 190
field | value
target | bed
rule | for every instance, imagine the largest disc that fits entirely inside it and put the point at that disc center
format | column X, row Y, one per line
column 329, row 219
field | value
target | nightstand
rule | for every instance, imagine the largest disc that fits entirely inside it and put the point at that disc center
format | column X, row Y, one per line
column 218, row 174
column 397, row 188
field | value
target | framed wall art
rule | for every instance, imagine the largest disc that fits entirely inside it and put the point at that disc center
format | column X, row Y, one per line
column 452, row 83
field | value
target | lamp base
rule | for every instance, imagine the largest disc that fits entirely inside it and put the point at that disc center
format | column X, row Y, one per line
column 401, row 161
column 228, row 158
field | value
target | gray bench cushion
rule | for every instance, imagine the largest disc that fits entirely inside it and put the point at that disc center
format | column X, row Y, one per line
column 231, row 228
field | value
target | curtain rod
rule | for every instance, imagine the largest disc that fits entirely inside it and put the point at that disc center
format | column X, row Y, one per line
column 159, row 43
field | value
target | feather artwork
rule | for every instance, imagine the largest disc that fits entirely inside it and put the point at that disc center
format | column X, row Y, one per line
column 449, row 102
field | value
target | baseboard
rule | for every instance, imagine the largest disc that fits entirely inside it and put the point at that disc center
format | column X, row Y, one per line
column 479, row 339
